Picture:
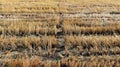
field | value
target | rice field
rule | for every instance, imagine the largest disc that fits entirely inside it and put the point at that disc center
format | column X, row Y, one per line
column 59, row 33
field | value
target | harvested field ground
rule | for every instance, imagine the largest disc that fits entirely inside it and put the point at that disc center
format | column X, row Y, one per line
column 59, row 33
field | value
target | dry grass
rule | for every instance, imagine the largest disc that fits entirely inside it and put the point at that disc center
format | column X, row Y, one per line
column 31, row 5
column 89, row 23
column 92, row 40
column 88, row 41
column 28, row 28
column 81, row 45
column 28, row 41
column 37, row 33
column 74, row 29
column 68, row 62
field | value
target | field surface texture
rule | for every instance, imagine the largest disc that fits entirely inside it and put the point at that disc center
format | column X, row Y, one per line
column 59, row 33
